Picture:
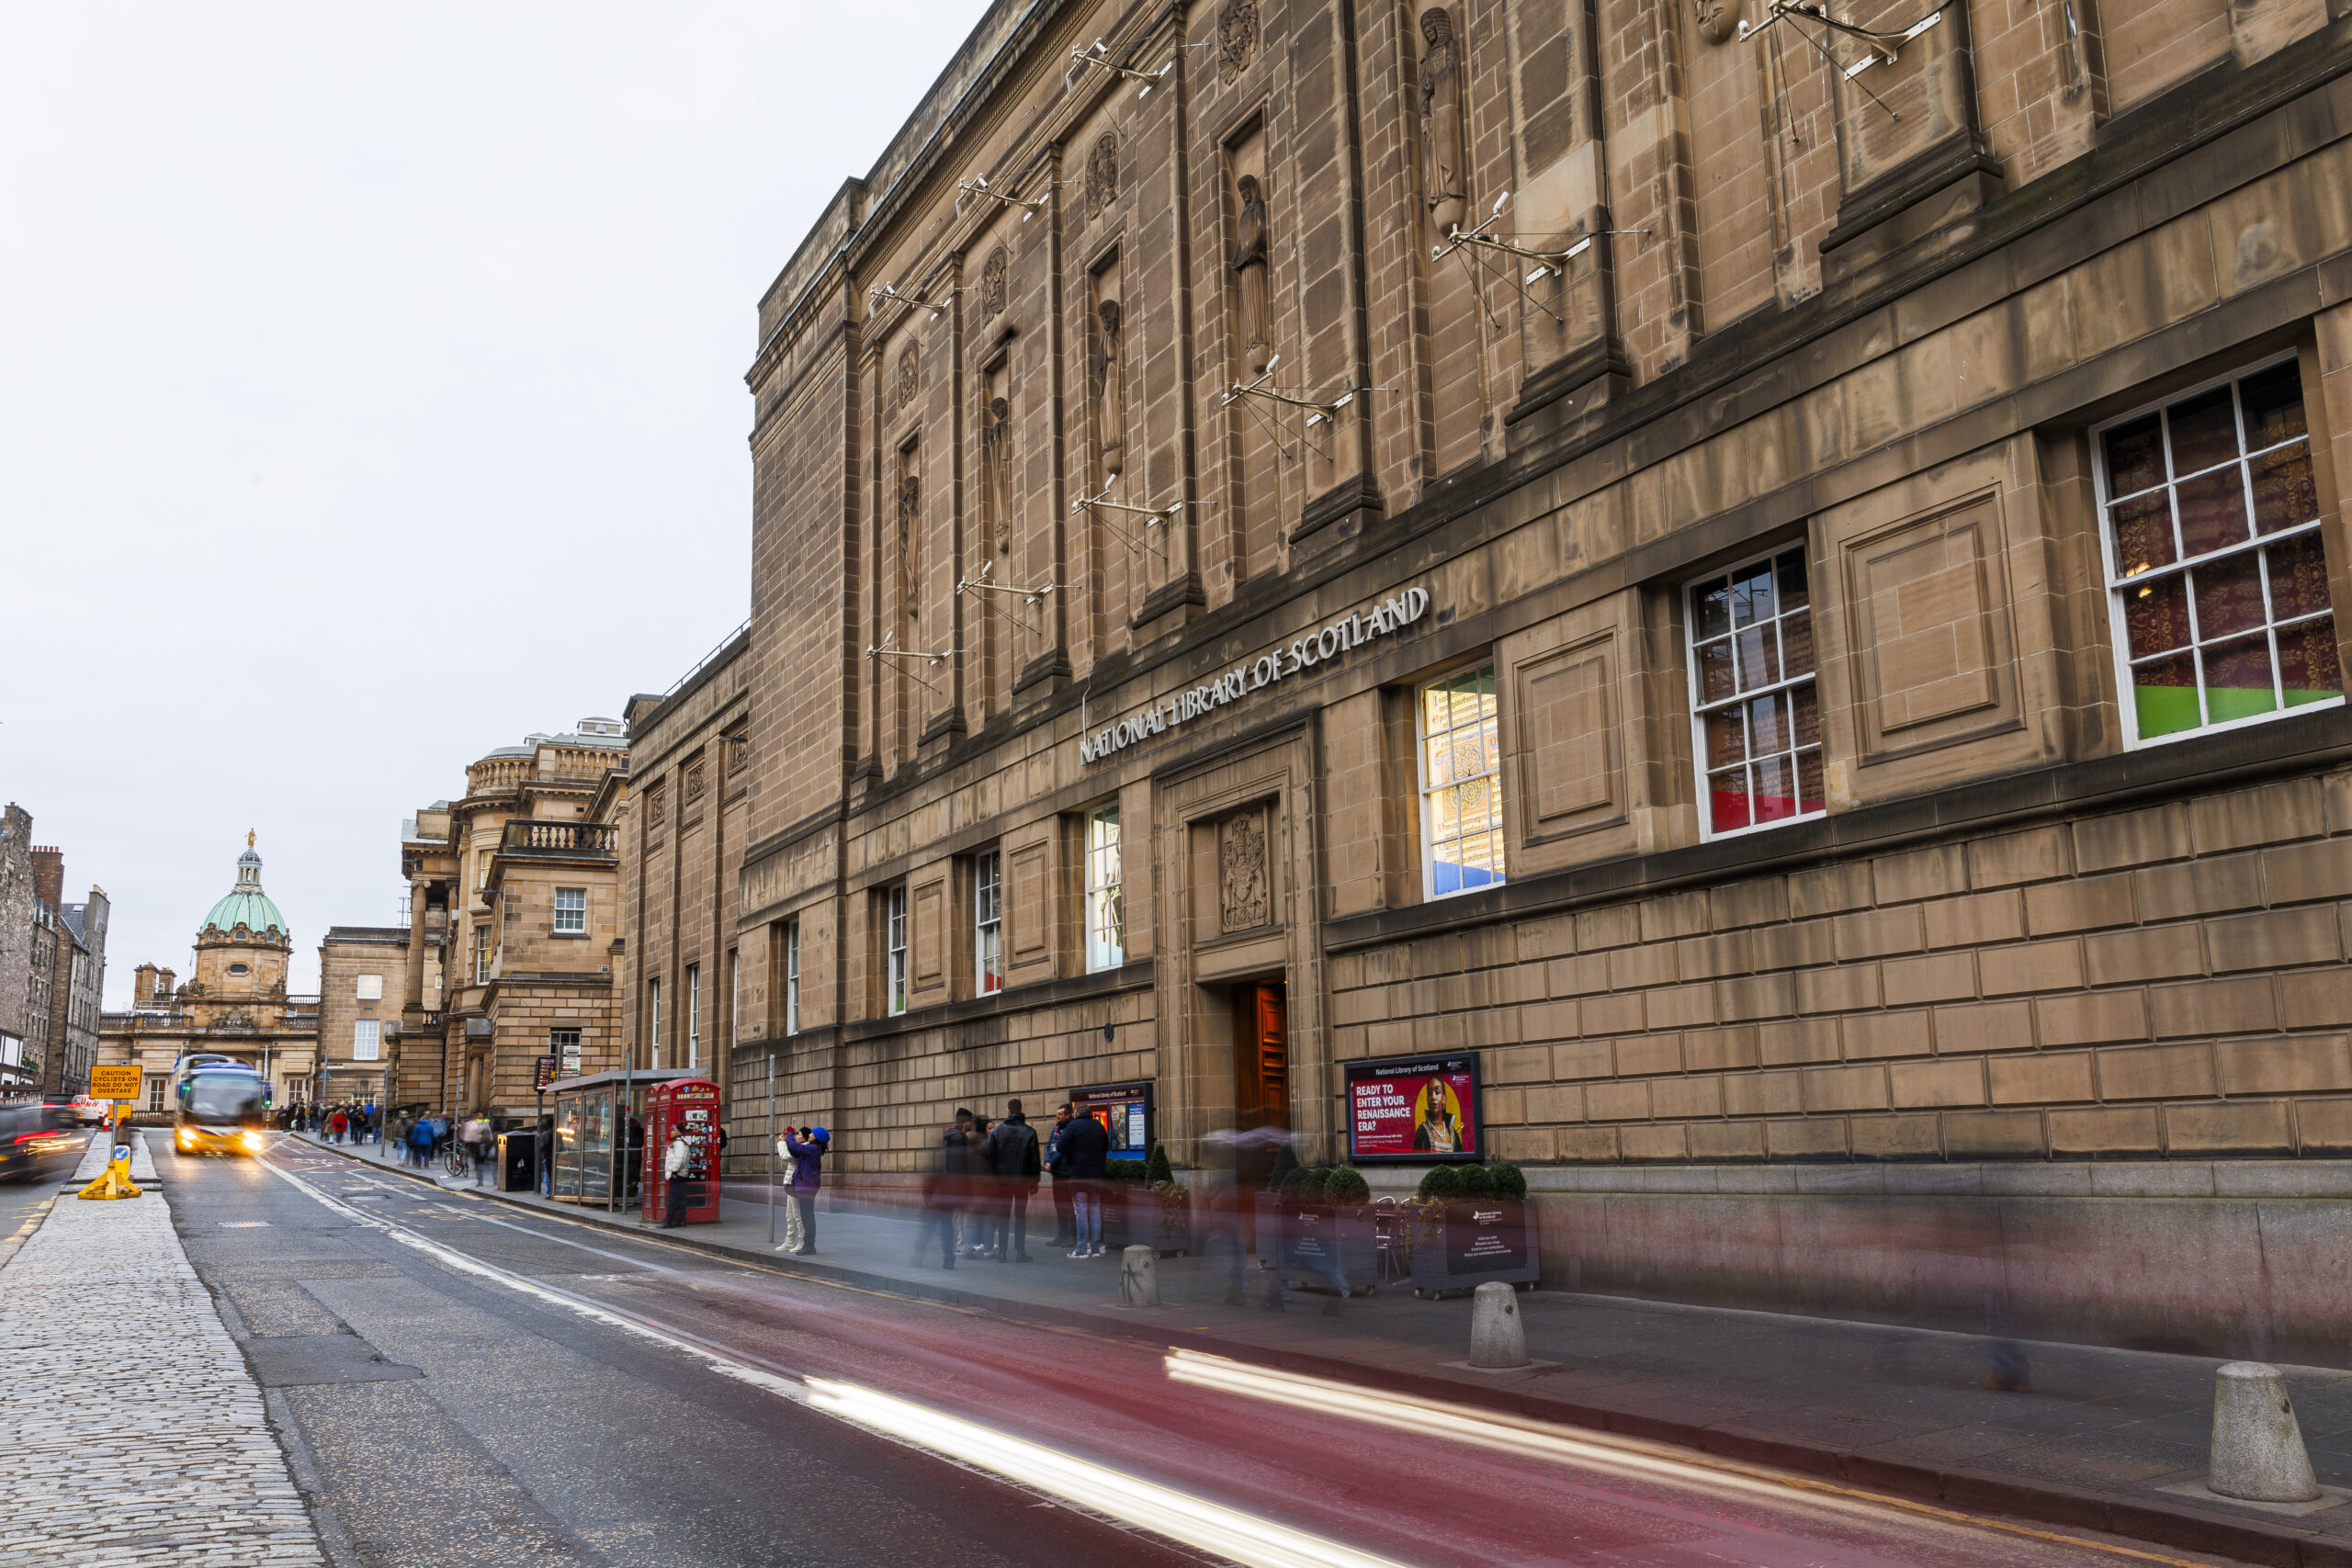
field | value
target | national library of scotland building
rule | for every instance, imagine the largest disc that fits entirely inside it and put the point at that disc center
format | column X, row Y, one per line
column 1750, row 587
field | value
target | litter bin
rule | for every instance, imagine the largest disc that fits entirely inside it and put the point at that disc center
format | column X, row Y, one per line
column 518, row 1162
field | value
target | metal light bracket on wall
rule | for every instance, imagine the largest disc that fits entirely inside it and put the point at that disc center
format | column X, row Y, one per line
column 1553, row 263
column 1098, row 55
column 890, row 292
column 981, row 584
column 1885, row 48
column 1147, row 546
column 1318, row 412
column 978, row 185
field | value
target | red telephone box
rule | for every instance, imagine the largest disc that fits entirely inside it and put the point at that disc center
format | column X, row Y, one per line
column 691, row 1106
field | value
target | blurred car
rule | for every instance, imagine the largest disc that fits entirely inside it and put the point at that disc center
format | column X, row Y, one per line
column 38, row 1142
column 90, row 1112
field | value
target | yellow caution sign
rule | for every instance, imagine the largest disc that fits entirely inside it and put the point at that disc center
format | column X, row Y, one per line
column 114, row 1082
column 116, row 1183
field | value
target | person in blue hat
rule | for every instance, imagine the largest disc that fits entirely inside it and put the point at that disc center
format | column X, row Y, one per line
column 807, row 1175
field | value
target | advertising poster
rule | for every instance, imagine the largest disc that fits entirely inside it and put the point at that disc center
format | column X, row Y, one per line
column 1413, row 1108
column 1124, row 1110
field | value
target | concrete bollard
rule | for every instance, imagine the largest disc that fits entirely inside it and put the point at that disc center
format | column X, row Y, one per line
column 1498, row 1339
column 2259, row 1455
column 1139, row 1277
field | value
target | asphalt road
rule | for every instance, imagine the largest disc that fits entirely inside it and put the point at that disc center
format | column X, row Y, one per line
column 23, row 1200
column 460, row 1382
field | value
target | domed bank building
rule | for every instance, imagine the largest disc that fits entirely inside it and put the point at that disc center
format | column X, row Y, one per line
column 236, row 1003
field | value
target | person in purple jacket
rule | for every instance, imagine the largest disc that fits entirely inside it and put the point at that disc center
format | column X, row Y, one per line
column 807, row 1175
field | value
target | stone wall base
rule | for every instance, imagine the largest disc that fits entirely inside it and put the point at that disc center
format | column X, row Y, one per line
column 2232, row 1258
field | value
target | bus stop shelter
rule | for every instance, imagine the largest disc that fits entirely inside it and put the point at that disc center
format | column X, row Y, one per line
column 599, row 1142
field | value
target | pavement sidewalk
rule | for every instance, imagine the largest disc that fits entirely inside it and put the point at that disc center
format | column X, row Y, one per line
column 2092, row 1446
column 101, row 1309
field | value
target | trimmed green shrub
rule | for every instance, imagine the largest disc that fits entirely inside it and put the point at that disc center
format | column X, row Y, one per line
column 1476, row 1182
column 1286, row 1163
column 1157, row 1169
column 1508, row 1180
column 1345, row 1186
column 1442, row 1182
column 1124, row 1169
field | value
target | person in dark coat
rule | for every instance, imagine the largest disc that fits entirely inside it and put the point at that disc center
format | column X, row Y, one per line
column 1085, row 1149
column 1011, row 1154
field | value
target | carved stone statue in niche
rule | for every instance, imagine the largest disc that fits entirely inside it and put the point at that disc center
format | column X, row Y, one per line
column 909, row 374
column 996, row 469
column 1717, row 19
column 1237, row 38
column 992, row 283
column 909, row 518
column 1108, row 366
column 1103, row 173
column 1248, row 264
column 1443, row 184
column 1242, row 897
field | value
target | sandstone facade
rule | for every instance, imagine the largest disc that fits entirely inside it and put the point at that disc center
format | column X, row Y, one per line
column 515, row 928
column 1874, row 694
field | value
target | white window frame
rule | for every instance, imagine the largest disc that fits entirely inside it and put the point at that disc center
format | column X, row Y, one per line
column 1429, row 792
column 1700, row 707
column 1106, row 914
column 654, row 1021
column 566, row 1051
column 988, row 923
column 894, row 947
column 481, row 954
column 367, row 1040
column 2119, row 635
column 577, row 924
column 694, row 1015
column 734, row 998
column 369, row 988
column 792, row 976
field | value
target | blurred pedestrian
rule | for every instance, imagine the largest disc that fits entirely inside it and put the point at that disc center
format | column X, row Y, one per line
column 963, row 1158
column 1086, row 1147
column 1010, row 1152
column 673, row 1178
column 485, row 1146
column 1065, row 1227
column 420, row 1143
column 939, row 1191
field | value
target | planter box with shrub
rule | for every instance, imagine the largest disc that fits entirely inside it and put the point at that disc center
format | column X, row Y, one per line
column 1480, row 1228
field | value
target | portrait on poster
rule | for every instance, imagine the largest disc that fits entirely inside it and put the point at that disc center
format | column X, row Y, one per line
column 1413, row 1108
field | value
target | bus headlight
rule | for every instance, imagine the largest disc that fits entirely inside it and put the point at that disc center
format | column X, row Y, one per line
column 252, row 1142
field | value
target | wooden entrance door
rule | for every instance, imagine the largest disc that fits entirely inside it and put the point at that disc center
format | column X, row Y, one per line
column 1260, row 1072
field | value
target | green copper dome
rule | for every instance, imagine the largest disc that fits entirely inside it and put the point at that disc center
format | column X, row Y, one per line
column 246, row 904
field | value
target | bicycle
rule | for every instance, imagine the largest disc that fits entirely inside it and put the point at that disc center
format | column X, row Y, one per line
column 457, row 1162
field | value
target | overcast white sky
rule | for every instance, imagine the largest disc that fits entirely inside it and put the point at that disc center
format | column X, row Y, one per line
column 372, row 395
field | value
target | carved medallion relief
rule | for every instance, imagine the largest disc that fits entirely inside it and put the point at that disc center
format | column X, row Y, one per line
column 1244, row 900
column 992, row 283
column 1103, row 175
column 1237, row 38
column 909, row 374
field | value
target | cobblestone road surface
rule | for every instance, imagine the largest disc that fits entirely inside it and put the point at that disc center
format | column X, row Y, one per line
column 132, row 1433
